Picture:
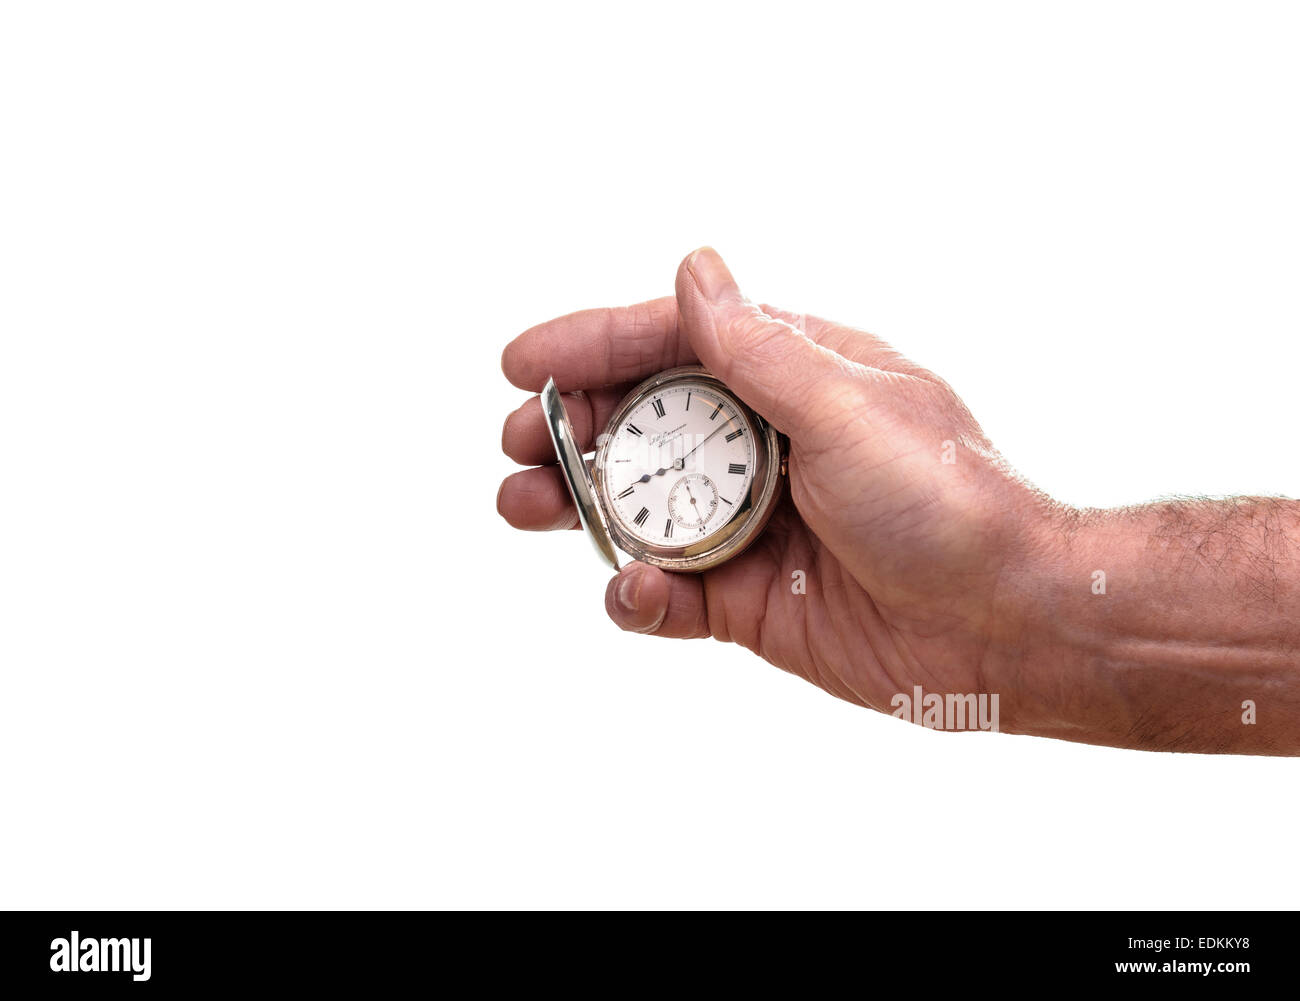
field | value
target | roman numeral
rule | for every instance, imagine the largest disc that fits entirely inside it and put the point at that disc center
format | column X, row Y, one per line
column 714, row 416
column 668, row 529
column 641, row 516
column 659, row 408
column 738, row 468
column 626, row 492
column 735, row 434
column 633, row 429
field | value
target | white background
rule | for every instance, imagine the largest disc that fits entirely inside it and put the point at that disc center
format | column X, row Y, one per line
column 264, row 640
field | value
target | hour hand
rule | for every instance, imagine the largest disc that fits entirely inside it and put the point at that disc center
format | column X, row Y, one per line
column 658, row 472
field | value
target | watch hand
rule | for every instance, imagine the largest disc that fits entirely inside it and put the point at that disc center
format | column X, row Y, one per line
column 699, row 516
column 681, row 463
column 658, row 472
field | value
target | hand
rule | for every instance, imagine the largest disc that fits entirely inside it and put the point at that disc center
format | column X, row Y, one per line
column 926, row 560
column 902, row 554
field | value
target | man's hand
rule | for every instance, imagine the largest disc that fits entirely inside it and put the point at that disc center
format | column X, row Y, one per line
column 926, row 560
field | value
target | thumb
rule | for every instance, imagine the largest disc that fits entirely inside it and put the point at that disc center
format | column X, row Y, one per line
column 644, row 599
column 770, row 364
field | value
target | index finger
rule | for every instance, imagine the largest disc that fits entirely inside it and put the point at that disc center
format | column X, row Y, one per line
column 598, row 347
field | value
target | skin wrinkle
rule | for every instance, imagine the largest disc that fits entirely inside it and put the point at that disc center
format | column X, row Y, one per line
column 760, row 619
column 823, row 672
column 1171, row 736
column 816, row 443
column 653, row 342
column 853, row 471
column 835, row 600
column 637, row 352
column 777, row 657
column 889, row 661
column 739, row 336
column 715, row 611
column 904, row 670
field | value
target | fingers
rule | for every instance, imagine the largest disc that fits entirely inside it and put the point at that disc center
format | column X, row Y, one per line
column 644, row 599
column 526, row 438
column 537, row 500
column 598, row 347
column 774, row 367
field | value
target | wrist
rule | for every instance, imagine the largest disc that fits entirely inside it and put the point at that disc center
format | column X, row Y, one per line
column 1035, row 644
column 1061, row 602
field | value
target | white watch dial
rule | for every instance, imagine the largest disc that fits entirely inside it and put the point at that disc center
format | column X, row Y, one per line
column 679, row 466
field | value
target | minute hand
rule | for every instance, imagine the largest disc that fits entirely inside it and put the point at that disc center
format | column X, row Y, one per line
column 681, row 463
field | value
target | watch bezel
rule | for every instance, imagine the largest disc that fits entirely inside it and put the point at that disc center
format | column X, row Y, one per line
column 752, row 513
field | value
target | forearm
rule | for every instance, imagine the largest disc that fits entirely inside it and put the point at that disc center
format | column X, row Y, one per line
column 1189, row 642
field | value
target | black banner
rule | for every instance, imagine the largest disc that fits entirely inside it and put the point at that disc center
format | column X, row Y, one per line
column 137, row 952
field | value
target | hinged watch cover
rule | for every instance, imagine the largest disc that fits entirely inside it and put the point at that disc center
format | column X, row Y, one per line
column 577, row 475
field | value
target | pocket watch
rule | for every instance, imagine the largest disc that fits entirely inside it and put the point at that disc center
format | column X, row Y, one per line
column 684, row 477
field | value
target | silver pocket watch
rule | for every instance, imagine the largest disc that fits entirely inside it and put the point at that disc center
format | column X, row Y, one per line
column 685, row 475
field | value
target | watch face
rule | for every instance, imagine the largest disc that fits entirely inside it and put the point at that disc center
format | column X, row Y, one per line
column 679, row 466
